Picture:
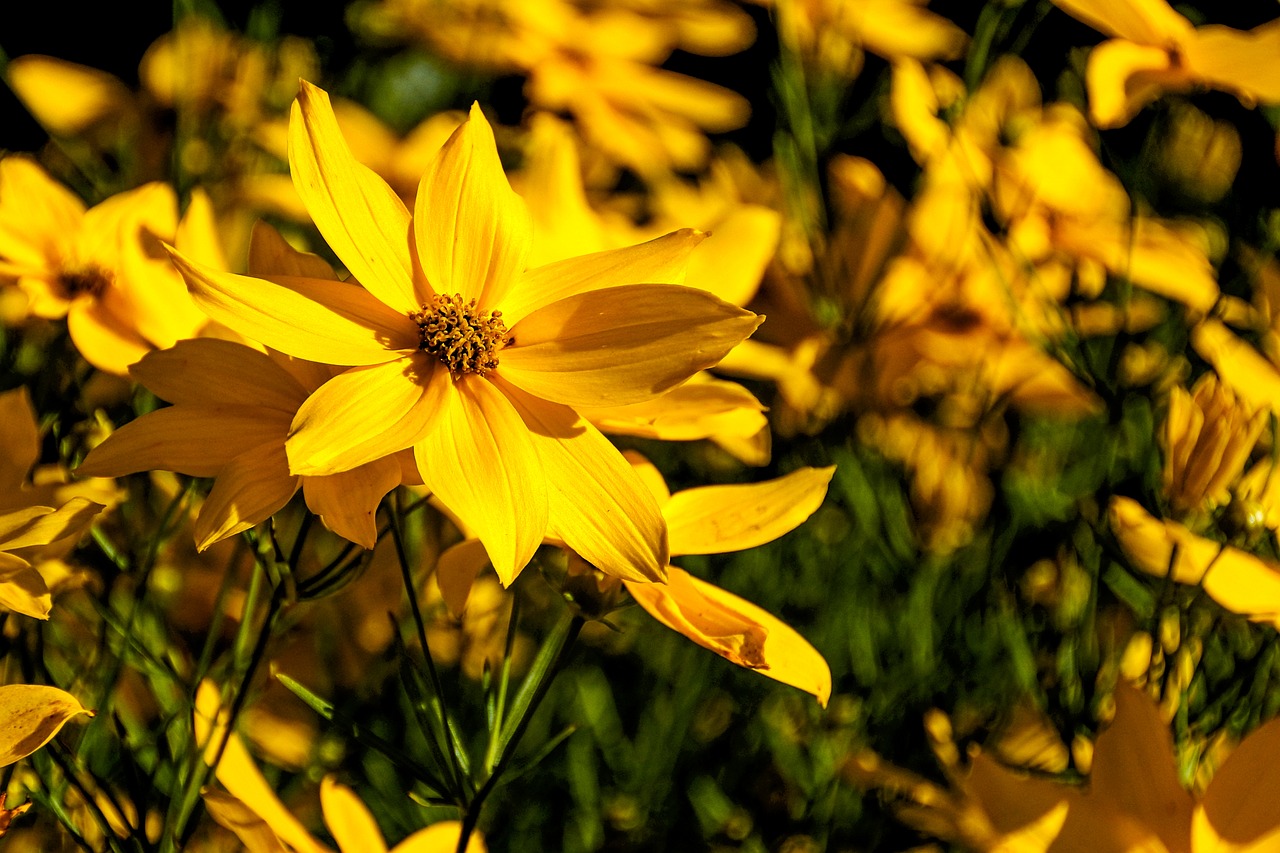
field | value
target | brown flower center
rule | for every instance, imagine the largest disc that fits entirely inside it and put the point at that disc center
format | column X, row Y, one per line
column 464, row 338
column 90, row 280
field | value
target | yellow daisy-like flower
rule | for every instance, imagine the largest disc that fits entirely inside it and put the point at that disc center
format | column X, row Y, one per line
column 458, row 351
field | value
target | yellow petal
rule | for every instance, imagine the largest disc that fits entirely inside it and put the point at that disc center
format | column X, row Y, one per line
column 621, row 345
column 471, row 230
column 663, row 260
column 40, row 525
column 347, row 502
column 209, row 371
column 1134, row 768
column 271, row 254
column 718, row 519
column 365, row 414
column 18, row 437
column 599, row 506
column 440, row 838
column 1238, row 808
column 329, row 322
column 248, row 490
column 349, row 820
column 23, row 589
column 1246, row 63
column 64, row 97
column 252, row 830
column 701, row 408
column 362, row 219
column 1151, row 22
column 735, row 629
column 238, row 773
column 456, row 572
column 103, row 339
column 1254, row 379
column 193, row 440
column 38, row 216
column 732, row 261
column 1123, row 77
column 197, row 234
column 480, row 460
column 30, row 715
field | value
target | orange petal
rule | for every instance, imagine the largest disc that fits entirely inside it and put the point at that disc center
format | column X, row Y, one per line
column 718, row 519
column 1237, row 810
column 471, row 230
column 735, row 629
column 621, row 345
column 480, row 460
column 365, row 414
column 599, row 506
column 248, row 490
column 347, row 502
column 41, row 525
column 362, row 219
column 18, row 436
column 456, row 572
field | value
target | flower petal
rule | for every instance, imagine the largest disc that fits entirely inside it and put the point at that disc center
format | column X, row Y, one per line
column 248, row 490
column 479, row 459
column 193, row 440
column 103, row 340
column 41, row 525
column 718, row 519
column 330, row 322
column 66, row 98
column 254, row 832
column 735, row 629
column 441, row 837
column 621, row 345
column 1253, row 378
column 209, row 371
column 1123, row 77
column 1244, row 62
column 471, row 230
column 271, row 254
column 1236, row 811
column 22, row 588
column 347, row 502
column 32, row 715
column 349, row 819
column 360, row 217
column 1145, row 21
column 18, row 436
column 599, row 506
column 365, row 414
column 456, row 572
column 663, row 260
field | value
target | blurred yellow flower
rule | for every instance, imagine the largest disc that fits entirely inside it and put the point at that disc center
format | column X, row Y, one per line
column 1154, row 49
column 502, row 447
column 1207, row 438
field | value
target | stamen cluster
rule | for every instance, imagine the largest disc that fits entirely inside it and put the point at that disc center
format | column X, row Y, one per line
column 89, row 280
column 464, row 338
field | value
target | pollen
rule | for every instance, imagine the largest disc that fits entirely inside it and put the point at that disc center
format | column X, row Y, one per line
column 464, row 338
column 91, row 281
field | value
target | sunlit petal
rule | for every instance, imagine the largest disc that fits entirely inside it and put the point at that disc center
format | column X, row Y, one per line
column 349, row 819
column 209, row 371
column 249, row 489
column 347, row 502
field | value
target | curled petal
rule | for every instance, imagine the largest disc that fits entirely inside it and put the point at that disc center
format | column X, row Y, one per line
column 40, row 525
column 347, row 502
column 248, row 490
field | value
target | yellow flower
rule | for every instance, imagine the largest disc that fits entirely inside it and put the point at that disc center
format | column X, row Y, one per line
column 232, row 409
column 265, row 825
column 459, row 352
column 1156, row 50
column 96, row 267
column 22, row 531
column 1207, row 437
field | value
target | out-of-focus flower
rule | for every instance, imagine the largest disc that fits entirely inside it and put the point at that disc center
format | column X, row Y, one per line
column 265, row 825
column 100, row 267
column 598, row 63
column 232, row 410
column 1133, row 802
column 502, row 447
column 1207, row 438
column 1236, row 579
column 1154, row 50
column 1199, row 155
column 24, row 532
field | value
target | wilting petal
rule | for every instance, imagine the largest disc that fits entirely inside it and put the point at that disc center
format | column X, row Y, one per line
column 599, row 506
column 1237, row 810
column 237, row 772
column 1239, row 581
column 40, row 525
column 479, row 459
column 621, row 345
column 1254, row 379
column 209, row 371
column 360, row 217
column 249, row 490
column 252, row 830
column 471, row 230
column 718, row 519
column 22, row 588
column 365, row 414
column 30, row 715
column 193, row 440
column 329, row 322
column 349, row 820
column 663, row 260
column 735, row 629
column 1134, row 768
column 456, row 572
column 347, row 502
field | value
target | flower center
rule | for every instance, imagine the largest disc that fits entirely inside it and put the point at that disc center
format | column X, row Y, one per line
column 90, row 280
column 464, row 338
